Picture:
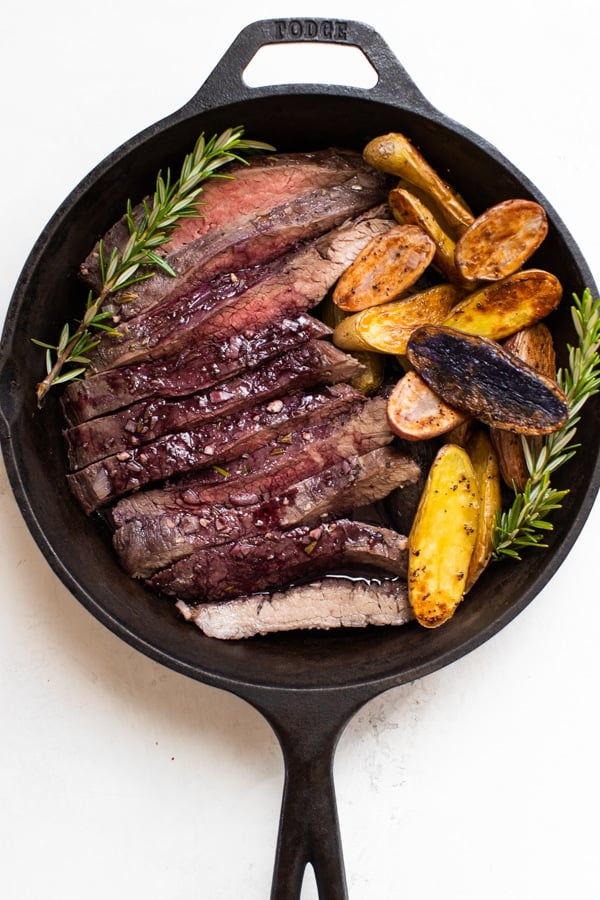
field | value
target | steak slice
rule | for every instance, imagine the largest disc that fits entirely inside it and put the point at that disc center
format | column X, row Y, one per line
column 292, row 285
column 205, row 445
column 332, row 602
column 263, row 474
column 248, row 211
column 185, row 371
column 147, row 544
column 314, row 362
column 278, row 558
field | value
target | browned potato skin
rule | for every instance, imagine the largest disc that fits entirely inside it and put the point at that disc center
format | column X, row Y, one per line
column 393, row 153
column 387, row 328
column 407, row 208
column 500, row 240
column 504, row 307
column 416, row 413
column 387, row 267
column 534, row 345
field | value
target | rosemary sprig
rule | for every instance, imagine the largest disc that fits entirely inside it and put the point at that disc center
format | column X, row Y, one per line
column 172, row 201
column 523, row 525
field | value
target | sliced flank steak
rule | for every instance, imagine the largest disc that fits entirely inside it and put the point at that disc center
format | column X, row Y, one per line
column 277, row 558
column 147, row 544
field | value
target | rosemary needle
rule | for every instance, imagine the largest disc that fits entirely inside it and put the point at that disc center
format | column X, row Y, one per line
column 524, row 524
column 172, row 201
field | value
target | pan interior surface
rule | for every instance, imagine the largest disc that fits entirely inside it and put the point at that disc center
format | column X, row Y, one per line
column 79, row 548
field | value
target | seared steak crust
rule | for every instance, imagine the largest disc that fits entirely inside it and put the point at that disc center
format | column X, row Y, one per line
column 281, row 557
column 205, row 445
column 218, row 430
column 241, row 302
column 192, row 369
column 263, row 474
column 249, row 217
column 149, row 543
column 312, row 363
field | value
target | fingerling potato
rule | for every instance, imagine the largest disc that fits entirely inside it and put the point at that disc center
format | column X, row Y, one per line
column 442, row 538
column 535, row 346
column 388, row 266
column 500, row 240
column 487, row 474
column 482, row 378
column 503, row 307
column 387, row 328
column 416, row 413
column 395, row 154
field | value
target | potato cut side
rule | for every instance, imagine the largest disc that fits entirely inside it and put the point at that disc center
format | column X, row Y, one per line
column 409, row 209
column 501, row 308
column 501, row 240
column 387, row 328
column 416, row 413
column 388, row 266
column 442, row 537
column 395, row 154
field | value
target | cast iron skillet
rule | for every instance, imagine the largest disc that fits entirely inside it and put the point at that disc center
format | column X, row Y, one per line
column 307, row 685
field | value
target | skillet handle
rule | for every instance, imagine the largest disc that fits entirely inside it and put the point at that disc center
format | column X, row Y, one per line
column 225, row 84
column 308, row 727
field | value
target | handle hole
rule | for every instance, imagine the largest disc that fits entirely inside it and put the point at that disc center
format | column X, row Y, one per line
column 310, row 63
column 309, row 884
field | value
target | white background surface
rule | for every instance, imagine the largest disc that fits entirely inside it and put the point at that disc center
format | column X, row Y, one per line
column 122, row 779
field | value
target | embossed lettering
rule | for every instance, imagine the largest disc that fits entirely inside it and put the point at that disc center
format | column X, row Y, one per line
column 311, row 29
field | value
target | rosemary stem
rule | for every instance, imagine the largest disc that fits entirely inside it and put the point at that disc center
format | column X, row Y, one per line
column 171, row 202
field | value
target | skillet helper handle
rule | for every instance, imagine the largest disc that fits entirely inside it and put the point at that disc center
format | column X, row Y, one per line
column 226, row 84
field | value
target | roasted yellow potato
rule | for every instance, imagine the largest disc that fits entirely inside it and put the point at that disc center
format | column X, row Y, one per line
column 371, row 379
column 408, row 209
column 393, row 153
column 416, row 413
column 387, row 267
column 503, row 307
column 442, row 538
column 501, row 240
column 387, row 328
column 487, row 473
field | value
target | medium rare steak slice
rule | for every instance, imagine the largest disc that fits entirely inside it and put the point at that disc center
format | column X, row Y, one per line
column 292, row 285
column 186, row 371
column 278, row 558
column 314, row 362
column 227, row 202
column 256, row 240
column 329, row 603
column 147, row 544
column 263, row 474
column 206, row 445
